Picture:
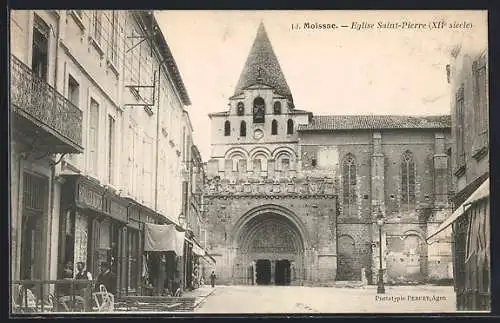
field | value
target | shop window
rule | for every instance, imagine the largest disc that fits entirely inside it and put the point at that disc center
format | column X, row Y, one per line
column 67, row 240
column 133, row 259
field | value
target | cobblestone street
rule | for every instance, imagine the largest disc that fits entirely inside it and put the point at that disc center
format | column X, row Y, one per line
column 295, row 299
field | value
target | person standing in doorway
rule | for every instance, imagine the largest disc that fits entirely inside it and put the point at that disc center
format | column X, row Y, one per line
column 212, row 278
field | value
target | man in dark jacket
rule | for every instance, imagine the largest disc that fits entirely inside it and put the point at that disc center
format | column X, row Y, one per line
column 212, row 279
column 107, row 278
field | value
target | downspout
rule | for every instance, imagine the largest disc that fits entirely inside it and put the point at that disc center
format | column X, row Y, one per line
column 157, row 137
column 52, row 163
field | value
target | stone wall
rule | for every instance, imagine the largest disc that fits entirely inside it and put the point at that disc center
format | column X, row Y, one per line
column 313, row 215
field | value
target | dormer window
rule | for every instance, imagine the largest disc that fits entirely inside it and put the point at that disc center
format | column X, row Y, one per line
column 277, row 107
column 240, row 109
column 259, row 110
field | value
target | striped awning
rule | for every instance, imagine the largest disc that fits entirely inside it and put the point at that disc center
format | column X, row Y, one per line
column 482, row 192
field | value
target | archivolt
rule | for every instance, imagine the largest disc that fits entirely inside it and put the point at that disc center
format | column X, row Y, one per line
column 283, row 150
column 236, row 151
column 293, row 219
column 260, row 151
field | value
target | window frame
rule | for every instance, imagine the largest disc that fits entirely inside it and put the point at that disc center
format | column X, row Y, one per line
column 289, row 127
column 408, row 182
column 349, row 182
column 227, row 128
column 243, row 129
column 274, row 127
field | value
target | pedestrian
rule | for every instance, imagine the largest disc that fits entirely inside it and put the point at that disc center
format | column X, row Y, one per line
column 82, row 274
column 106, row 278
column 212, row 278
column 68, row 270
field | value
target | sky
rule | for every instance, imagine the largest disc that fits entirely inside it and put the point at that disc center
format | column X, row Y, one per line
column 329, row 71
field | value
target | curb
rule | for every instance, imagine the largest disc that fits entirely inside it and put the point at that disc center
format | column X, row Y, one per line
column 202, row 299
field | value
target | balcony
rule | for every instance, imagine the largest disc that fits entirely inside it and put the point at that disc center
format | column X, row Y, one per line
column 43, row 117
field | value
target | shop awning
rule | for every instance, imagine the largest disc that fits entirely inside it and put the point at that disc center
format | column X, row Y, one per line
column 482, row 192
column 163, row 238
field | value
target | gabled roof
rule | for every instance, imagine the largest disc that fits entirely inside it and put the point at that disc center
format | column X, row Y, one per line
column 355, row 122
column 262, row 67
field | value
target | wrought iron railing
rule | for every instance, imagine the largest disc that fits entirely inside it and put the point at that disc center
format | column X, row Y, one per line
column 35, row 97
column 65, row 295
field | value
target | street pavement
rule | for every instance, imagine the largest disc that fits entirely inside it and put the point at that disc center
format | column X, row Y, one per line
column 301, row 299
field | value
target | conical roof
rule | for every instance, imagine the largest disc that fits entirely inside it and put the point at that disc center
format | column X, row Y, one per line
column 262, row 67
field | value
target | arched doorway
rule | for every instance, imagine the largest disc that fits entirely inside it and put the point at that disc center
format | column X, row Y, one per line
column 270, row 247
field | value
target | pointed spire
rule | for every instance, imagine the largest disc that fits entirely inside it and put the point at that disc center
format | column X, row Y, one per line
column 262, row 66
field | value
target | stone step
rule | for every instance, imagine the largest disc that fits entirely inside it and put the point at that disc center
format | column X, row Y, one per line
column 155, row 304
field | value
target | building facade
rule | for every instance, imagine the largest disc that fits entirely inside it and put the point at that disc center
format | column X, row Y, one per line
column 470, row 222
column 99, row 134
column 293, row 198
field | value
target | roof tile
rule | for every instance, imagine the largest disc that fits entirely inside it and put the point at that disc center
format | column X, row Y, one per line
column 347, row 122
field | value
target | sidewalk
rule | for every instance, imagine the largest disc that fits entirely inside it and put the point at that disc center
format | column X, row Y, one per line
column 164, row 304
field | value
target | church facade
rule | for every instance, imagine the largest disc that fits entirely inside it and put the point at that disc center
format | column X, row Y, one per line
column 293, row 198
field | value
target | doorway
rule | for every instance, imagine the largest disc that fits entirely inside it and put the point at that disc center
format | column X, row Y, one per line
column 32, row 250
column 263, row 268
column 282, row 272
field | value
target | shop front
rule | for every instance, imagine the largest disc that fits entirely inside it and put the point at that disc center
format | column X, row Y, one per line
column 163, row 261
column 197, row 259
column 93, row 225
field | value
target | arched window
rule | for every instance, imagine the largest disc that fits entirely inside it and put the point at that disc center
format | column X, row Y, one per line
column 259, row 110
column 227, row 128
column 240, row 108
column 277, row 107
column 274, row 127
column 407, row 178
column 349, row 182
column 289, row 127
column 243, row 129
